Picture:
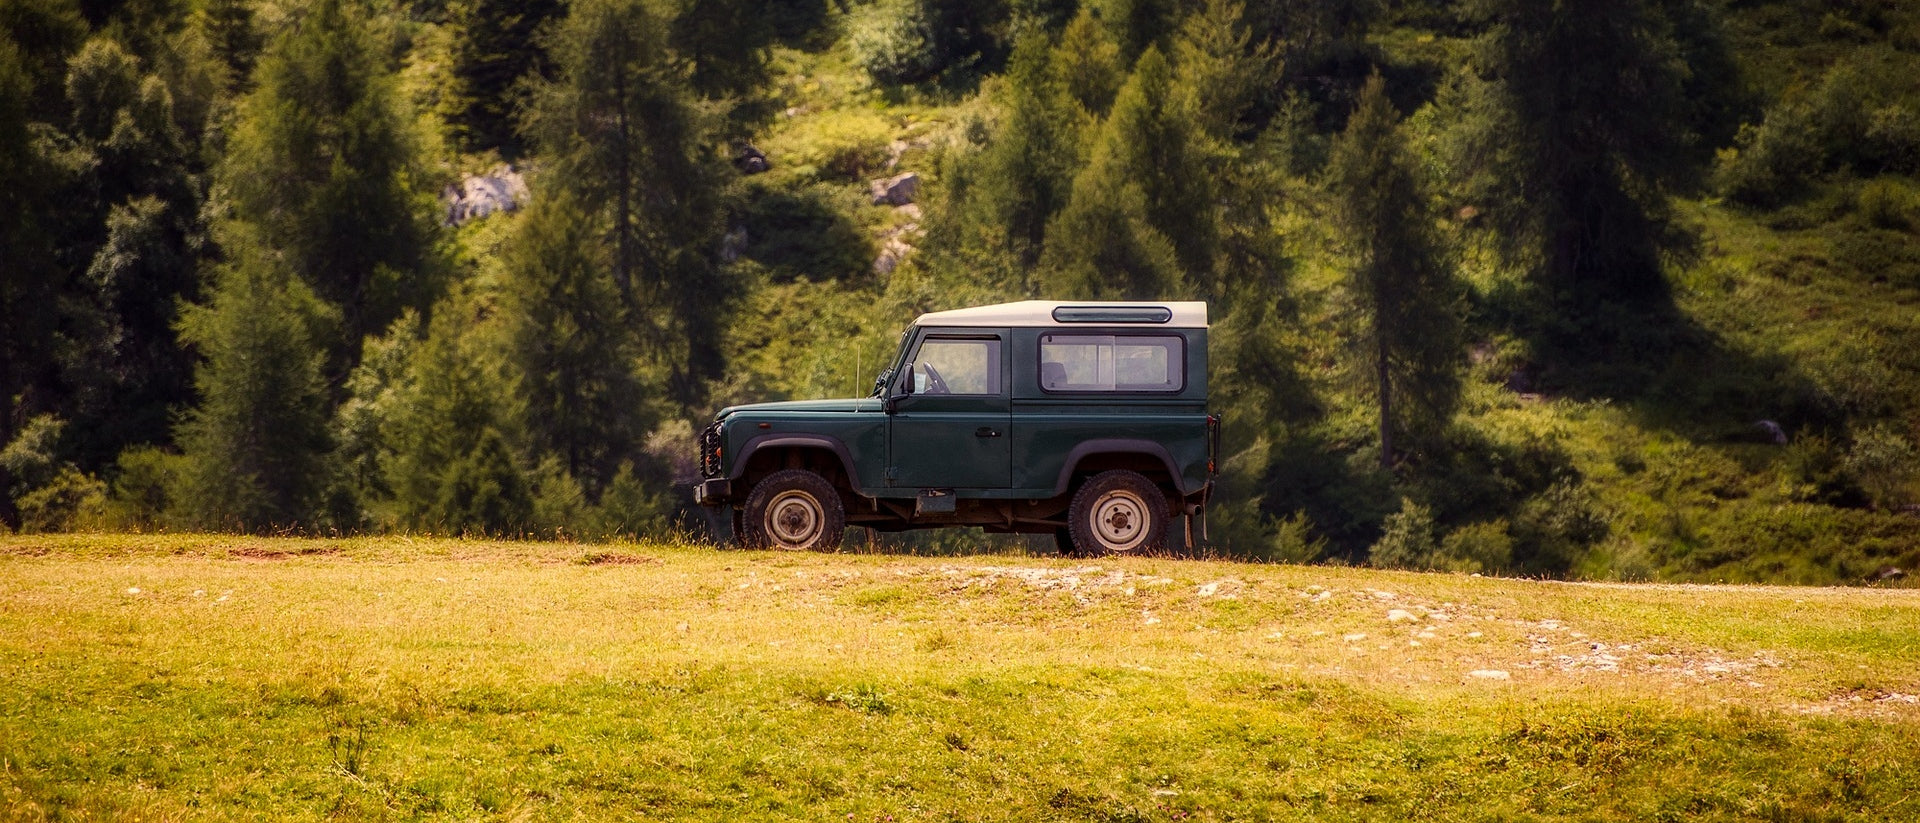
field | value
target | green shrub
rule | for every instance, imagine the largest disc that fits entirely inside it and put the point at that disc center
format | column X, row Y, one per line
column 1294, row 541
column 71, row 500
column 1408, row 539
column 1887, row 205
column 1555, row 528
column 138, row 496
column 1476, row 547
column 894, row 40
column 1883, row 464
column 843, row 145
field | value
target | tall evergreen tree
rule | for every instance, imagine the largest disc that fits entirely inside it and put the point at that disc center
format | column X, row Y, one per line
column 126, row 373
column 1087, row 62
column 1579, row 137
column 1405, row 294
column 993, row 220
column 493, row 47
column 449, row 460
column 621, row 133
column 1139, row 211
column 29, row 275
column 322, row 166
column 254, row 448
column 573, row 349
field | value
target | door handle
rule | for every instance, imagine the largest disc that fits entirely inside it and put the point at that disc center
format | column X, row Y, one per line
column 985, row 431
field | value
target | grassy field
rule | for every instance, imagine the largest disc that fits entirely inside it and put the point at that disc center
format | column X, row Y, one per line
column 160, row 678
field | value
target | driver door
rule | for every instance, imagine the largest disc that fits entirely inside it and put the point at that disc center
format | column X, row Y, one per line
column 951, row 432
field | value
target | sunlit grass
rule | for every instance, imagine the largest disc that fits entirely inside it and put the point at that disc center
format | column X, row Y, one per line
column 196, row 677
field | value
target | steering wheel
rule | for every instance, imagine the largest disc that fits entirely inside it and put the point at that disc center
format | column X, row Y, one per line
column 935, row 383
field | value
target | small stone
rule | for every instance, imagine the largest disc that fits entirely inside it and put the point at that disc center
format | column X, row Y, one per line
column 1473, row 635
column 1400, row 616
column 133, row 590
column 1356, row 637
column 1489, row 674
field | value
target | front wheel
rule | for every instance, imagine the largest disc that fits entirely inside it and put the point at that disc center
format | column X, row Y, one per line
column 794, row 510
column 1117, row 512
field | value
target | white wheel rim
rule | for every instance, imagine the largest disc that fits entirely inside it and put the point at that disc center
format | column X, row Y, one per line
column 794, row 519
column 1119, row 521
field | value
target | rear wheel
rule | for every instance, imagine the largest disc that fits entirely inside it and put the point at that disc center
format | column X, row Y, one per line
column 795, row 510
column 1117, row 512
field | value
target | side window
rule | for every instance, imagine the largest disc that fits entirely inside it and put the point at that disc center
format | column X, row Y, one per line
column 1093, row 363
column 957, row 366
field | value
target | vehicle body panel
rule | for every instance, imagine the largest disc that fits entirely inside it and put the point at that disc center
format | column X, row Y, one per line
column 994, row 429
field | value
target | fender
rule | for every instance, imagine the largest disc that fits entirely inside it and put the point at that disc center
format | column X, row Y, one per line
column 811, row 441
column 1117, row 446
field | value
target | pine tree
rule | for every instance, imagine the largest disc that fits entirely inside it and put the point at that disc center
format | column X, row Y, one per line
column 493, row 47
column 999, row 200
column 1138, row 215
column 125, row 371
column 1087, row 62
column 254, row 448
column 1580, row 134
column 1220, row 69
column 1405, row 293
column 450, row 464
column 322, row 166
column 623, row 137
column 572, row 347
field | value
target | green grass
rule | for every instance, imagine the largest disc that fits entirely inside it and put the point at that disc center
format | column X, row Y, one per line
column 403, row 679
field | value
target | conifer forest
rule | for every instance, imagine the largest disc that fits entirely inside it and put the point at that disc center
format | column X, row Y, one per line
column 1593, row 289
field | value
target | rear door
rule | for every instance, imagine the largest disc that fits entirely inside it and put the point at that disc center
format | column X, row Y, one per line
column 951, row 433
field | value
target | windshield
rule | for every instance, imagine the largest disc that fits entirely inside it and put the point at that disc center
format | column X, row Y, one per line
column 899, row 356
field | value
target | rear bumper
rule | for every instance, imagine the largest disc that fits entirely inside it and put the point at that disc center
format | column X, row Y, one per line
column 715, row 492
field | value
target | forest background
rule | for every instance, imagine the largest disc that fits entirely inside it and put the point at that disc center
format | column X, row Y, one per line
column 1603, row 289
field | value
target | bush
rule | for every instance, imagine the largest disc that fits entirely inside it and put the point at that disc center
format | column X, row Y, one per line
column 847, row 145
column 1408, row 541
column 894, row 40
column 1476, row 547
column 1887, row 205
column 1883, row 464
column 71, row 500
column 138, row 498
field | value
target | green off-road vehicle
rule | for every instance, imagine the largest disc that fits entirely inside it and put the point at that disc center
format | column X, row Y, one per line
column 1087, row 421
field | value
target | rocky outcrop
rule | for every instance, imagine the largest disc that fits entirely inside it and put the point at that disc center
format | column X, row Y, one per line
column 479, row 195
column 898, row 190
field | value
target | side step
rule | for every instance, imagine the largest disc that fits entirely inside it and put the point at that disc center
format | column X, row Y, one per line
column 934, row 501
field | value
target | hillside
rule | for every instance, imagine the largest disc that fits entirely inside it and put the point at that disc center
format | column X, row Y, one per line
column 1642, row 275
column 187, row 677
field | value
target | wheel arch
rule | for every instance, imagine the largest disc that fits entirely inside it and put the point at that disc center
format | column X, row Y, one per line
column 1118, row 453
column 767, row 453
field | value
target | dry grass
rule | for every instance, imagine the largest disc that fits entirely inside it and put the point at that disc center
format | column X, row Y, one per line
column 187, row 677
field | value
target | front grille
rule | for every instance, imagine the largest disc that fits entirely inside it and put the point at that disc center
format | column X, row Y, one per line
column 710, row 442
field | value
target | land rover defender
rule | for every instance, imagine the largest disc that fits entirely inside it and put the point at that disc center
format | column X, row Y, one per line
column 1084, row 420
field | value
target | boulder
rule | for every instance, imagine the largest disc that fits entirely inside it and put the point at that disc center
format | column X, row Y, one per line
column 898, row 190
column 750, row 160
column 479, row 195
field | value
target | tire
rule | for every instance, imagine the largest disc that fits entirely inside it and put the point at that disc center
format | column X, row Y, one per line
column 1063, row 540
column 1117, row 512
column 794, row 510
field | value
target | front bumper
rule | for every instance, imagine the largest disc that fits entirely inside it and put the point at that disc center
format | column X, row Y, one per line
column 715, row 492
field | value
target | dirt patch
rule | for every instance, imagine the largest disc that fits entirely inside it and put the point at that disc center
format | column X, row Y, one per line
column 264, row 553
column 618, row 559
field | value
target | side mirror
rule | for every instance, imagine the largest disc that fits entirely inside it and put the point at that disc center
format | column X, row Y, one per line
column 894, row 386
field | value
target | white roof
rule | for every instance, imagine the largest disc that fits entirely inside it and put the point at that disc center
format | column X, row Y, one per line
column 1181, row 314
